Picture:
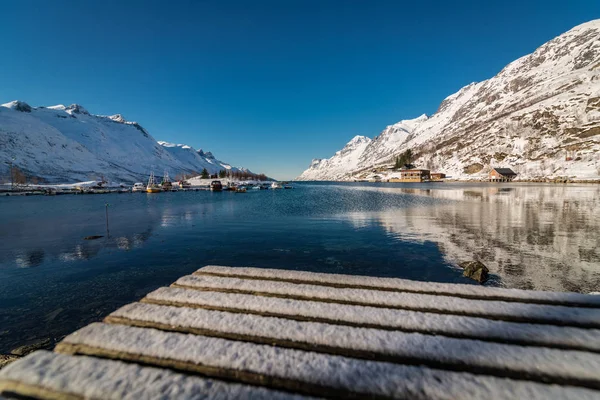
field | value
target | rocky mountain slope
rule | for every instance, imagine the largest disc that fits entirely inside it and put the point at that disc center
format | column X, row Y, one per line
column 540, row 116
column 67, row 144
column 341, row 162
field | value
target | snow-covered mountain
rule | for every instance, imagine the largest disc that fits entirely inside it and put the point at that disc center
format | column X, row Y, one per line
column 540, row 116
column 338, row 165
column 66, row 144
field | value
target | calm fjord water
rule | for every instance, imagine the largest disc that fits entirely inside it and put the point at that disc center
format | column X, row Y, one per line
column 544, row 237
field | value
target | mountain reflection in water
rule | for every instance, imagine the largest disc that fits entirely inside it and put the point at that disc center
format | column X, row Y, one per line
column 533, row 237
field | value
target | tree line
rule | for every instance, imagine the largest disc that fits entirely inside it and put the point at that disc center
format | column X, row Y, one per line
column 17, row 176
column 403, row 159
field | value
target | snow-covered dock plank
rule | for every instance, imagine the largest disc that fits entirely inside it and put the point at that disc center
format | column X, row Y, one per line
column 404, row 285
column 253, row 333
column 293, row 369
column 493, row 309
column 573, row 367
column 337, row 323
column 50, row 375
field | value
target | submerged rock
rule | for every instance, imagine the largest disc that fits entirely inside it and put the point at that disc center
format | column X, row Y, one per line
column 475, row 270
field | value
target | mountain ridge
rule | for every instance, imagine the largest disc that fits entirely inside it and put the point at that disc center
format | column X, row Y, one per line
column 540, row 115
column 67, row 143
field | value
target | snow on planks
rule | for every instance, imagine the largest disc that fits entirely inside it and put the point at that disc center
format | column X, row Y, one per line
column 56, row 376
column 246, row 332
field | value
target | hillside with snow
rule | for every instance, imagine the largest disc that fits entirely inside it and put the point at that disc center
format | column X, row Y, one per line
column 66, row 144
column 338, row 165
column 539, row 116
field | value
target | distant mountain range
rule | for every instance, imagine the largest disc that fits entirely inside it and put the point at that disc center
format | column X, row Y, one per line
column 539, row 116
column 68, row 144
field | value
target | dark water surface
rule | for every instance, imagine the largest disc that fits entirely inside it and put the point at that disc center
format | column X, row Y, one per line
column 544, row 237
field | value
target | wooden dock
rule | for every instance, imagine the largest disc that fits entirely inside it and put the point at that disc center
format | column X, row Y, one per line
column 261, row 333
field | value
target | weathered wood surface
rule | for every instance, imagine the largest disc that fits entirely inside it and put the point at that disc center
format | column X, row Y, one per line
column 261, row 333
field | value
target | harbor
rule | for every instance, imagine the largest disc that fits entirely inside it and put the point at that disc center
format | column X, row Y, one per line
column 152, row 186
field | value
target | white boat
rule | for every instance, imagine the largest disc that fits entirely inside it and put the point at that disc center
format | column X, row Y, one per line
column 183, row 184
column 138, row 187
column 276, row 185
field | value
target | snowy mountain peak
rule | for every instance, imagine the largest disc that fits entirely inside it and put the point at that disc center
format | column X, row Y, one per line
column 118, row 118
column 540, row 116
column 76, row 109
column 207, row 154
column 357, row 140
column 410, row 124
column 18, row 106
column 58, row 107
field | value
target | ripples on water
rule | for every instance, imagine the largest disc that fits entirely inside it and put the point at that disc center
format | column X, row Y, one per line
column 543, row 237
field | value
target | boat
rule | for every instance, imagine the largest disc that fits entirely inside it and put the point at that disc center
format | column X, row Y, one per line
column 216, row 186
column 256, row 187
column 138, row 187
column 241, row 189
column 288, row 187
column 183, row 184
column 276, row 185
column 166, row 182
column 152, row 186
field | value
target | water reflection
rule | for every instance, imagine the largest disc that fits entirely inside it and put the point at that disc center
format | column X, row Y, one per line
column 545, row 237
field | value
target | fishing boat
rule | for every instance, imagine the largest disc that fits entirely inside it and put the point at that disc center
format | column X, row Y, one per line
column 276, row 185
column 138, row 187
column 216, row 186
column 166, row 182
column 152, row 186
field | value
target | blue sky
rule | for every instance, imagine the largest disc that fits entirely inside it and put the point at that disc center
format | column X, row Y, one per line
column 267, row 85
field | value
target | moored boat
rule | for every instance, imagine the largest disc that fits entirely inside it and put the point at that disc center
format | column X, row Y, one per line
column 166, row 182
column 276, row 185
column 152, row 186
column 216, row 186
column 138, row 187
column 183, row 184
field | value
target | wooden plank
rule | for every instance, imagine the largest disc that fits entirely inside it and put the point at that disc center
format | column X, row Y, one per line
column 403, row 285
column 46, row 375
column 491, row 309
column 325, row 335
column 252, row 326
column 254, row 363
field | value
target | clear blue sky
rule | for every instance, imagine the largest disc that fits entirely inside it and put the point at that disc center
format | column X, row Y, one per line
column 268, row 85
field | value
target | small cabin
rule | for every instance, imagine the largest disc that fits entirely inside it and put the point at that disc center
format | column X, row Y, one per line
column 437, row 176
column 414, row 175
column 502, row 175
